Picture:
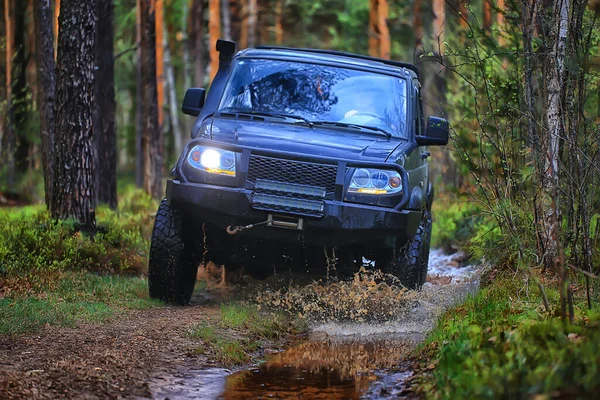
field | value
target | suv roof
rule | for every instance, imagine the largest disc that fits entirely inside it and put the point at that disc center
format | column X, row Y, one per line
column 333, row 55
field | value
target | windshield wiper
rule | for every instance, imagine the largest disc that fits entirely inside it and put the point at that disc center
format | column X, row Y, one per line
column 269, row 114
column 356, row 126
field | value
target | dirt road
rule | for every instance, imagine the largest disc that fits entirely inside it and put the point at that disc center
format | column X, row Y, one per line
column 146, row 353
column 110, row 360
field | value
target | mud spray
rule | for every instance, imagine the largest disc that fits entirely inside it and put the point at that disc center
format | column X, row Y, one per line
column 361, row 330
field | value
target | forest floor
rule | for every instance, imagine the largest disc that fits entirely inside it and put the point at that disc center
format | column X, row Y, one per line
column 117, row 358
column 128, row 354
column 106, row 360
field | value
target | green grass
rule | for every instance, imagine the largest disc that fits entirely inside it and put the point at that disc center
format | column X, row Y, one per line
column 499, row 344
column 229, row 351
column 77, row 297
column 53, row 273
column 261, row 325
column 241, row 330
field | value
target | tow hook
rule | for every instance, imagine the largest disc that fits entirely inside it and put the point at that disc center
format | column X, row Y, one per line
column 232, row 230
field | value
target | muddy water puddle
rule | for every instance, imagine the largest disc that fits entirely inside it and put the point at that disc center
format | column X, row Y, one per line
column 342, row 358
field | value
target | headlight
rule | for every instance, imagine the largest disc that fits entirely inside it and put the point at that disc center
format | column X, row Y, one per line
column 375, row 181
column 211, row 160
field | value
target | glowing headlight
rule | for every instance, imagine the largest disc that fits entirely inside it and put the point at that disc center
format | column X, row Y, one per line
column 211, row 160
column 375, row 181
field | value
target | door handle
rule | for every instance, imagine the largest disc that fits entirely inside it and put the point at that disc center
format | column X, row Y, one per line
column 425, row 154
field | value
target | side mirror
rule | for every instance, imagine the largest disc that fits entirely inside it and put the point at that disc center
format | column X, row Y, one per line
column 193, row 101
column 437, row 133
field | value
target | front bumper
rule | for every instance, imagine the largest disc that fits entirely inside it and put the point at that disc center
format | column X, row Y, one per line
column 341, row 223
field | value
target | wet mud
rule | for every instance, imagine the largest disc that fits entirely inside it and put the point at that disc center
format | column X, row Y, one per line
column 361, row 332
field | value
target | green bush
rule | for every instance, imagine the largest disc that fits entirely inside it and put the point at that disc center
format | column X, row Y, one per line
column 135, row 200
column 455, row 221
column 34, row 246
column 498, row 346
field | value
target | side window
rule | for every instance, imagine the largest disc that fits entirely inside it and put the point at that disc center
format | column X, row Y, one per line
column 418, row 107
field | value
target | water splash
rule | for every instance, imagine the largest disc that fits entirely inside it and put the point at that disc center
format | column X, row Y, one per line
column 370, row 296
column 361, row 330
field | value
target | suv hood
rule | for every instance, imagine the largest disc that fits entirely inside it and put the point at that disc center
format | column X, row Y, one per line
column 299, row 138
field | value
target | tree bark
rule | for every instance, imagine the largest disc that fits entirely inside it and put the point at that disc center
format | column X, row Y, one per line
column 73, row 193
column 160, row 61
column 20, row 103
column 438, row 25
column 417, row 29
column 373, row 29
column 105, row 132
column 243, row 42
column 139, row 131
column 42, row 14
column 279, row 22
column 185, row 28
column 151, row 137
column 172, row 97
column 487, row 15
column 462, row 8
column 226, row 14
column 555, row 119
column 187, row 59
column 385, row 44
column 252, row 19
column 198, row 40
column 500, row 21
column 9, row 141
column 214, row 32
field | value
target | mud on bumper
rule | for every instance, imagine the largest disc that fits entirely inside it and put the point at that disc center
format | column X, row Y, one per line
column 337, row 223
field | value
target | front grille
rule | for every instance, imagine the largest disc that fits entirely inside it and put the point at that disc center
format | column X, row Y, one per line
column 299, row 172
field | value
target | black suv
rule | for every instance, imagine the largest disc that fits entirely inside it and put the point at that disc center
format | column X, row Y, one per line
column 303, row 158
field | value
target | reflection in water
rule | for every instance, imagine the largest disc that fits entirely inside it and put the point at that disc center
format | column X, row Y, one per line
column 346, row 357
column 318, row 370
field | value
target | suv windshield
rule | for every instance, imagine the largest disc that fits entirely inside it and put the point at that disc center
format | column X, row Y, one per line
column 318, row 93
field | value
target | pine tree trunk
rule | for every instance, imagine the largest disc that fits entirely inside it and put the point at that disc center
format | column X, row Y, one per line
column 214, row 32
column 385, row 44
column 252, row 19
column 185, row 28
column 20, row 93
column 464, row 14
column 418, row 30
column 139, row 130
column 198, row 40
column 187, row 59
column 373, row 29
column 151, row 137
column 73, row 193
column 500, row 21
column 160, row 61
column 438, row 25
column 105, row 132
column 243, row 42
column 487, row 15
column 42, row 14
column 172, row 97
column 9, row 140
column 279, row 22
column 226, row 13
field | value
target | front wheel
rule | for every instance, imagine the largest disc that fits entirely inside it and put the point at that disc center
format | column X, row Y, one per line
column 410, row 267
column 172, row 266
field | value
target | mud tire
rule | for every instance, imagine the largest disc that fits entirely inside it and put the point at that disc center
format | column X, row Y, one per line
column 173, row 264
column 411, row 266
